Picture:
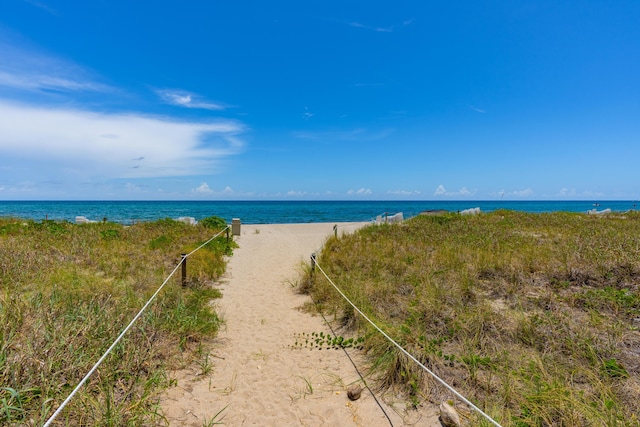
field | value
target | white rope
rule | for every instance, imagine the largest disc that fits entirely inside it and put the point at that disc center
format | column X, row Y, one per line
column 106, row 353
column 441, row 381
column 350, row 224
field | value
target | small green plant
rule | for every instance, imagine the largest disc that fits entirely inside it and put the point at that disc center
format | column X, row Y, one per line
column 215, row 420
column 309, row 386
column 320, row 341
column 109, row 234
column 204, row 360
column 260, row 355
column 619, row 301
column 11, row 409
column 304, row 391
column 232, row 385
column 613, row 369
column 160, row 242
column 474, row 362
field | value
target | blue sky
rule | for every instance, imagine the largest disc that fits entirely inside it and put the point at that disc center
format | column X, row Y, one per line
column 315, row 100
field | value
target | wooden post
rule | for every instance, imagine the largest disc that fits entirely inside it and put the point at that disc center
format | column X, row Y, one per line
column 313, row 262
column 227, row 234
column 184, row 270
column 335, row 230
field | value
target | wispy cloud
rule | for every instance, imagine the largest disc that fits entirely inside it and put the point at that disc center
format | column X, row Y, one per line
column 186, row 99
column 372, row 28
column 42, row 6
column 523, row 193
column 360, row 192
column 367, row 84
column 358, row 134
column 404, row 192
column 476, row 109
column 307, row 114
column 464, row 191
column 567, row 192
column 527, row 192
column 32, row 71
column 76, row 144
column 41, row 82
column 389, row 29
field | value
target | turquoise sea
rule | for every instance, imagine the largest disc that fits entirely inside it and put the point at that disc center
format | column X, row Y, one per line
column 276, row 212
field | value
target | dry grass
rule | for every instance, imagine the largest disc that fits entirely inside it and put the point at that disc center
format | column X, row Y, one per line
column 66, row 293
column 534, row 317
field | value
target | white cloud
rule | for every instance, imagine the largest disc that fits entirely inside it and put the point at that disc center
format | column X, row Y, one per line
column 523, row 193
column 186, row 99
column 42, row 6
column 404, row 192
column 464, row 191
column 307, row 114
column 293, row 193
column 567, row 192
column 132, row 188
column 360, row 192
column 368, row 27
column 89, row 145
column 357, row 134
column 367, row 84
column 32, row 71
column 203, row 189
column 593, row 194
column 477, row 110
column 527, row 192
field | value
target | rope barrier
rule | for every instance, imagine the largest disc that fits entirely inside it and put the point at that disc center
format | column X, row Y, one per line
column 350, row 224
column 106, row 353
column 406, row 353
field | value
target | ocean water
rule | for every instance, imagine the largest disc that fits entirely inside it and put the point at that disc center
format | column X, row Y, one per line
column 276, row 212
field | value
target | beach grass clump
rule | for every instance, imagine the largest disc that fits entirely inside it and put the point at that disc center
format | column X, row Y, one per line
column 67, row 291
column 534, row 317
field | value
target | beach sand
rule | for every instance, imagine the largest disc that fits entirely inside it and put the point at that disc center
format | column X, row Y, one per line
column 259, row 377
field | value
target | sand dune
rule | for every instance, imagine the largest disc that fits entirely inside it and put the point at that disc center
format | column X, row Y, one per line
column 258, row 376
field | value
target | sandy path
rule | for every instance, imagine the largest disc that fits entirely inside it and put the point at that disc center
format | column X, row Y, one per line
column 257, row 376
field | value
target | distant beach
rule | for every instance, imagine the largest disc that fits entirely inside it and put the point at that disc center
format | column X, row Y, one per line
column 278, row 212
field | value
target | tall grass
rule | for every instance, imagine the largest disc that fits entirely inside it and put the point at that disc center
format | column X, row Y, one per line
column 67, row 291
column 534, row 317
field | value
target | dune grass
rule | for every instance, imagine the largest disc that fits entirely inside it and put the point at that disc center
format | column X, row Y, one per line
column 67, row 291
column 533, row 317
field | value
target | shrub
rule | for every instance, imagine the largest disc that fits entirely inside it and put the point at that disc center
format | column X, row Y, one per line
column 213, row 222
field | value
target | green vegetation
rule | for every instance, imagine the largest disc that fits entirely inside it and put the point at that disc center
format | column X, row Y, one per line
column 533, row 317
column 67, row 291
column 320, row 340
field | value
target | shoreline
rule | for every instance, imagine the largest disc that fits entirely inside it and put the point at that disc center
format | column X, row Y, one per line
column 278, row 212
